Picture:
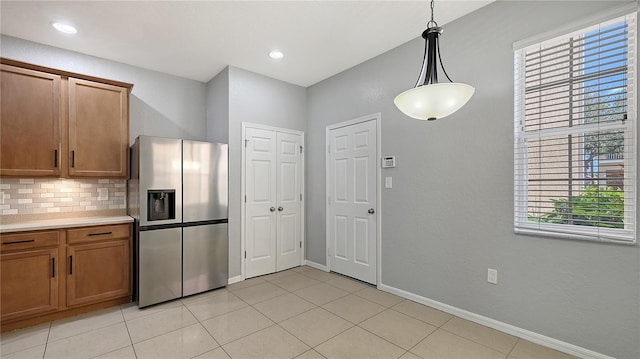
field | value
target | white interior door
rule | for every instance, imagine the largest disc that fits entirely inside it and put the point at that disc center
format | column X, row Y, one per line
column 289, row 196
column 352, row 200
column 273, row 204
column 261, row 202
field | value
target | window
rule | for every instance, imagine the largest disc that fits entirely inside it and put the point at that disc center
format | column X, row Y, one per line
column 575, row 134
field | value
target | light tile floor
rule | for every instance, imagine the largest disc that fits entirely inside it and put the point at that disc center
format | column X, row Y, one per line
column 299, row 313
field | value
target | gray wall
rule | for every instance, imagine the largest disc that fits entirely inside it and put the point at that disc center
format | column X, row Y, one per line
column 261, row 100
column 449, row 216
column 161, row 104
column 218, row 107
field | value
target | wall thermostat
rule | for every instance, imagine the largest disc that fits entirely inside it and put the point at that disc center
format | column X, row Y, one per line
column 389, row 162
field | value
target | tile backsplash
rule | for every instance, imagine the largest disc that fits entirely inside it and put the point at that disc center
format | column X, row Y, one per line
column 48, row 196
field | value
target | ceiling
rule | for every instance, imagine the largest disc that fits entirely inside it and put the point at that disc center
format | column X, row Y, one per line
column 198, row 39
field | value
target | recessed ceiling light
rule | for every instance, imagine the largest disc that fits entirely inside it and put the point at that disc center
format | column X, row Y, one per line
column 276, row 54
column 64, row 28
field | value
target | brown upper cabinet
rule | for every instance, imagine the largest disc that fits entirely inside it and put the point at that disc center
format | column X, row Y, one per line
column 98, row 129
column 30, row 122
column 59, row 124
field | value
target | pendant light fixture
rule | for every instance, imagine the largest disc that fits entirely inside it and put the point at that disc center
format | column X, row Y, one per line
column 430, row 100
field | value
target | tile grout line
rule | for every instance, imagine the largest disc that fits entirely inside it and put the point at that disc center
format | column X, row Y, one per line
column 469, row 339
column 128, row 332
column 235, row 310
column 484, row 345
column 8, row 342
column 46, row 343
column 155, row 336
column 205, row 328
column 513, row 347
column 423, row 339
column 285, row 329
column 263, row 314
column 175, row 330
column 388, row 341
column 473, row 341
column 80, row 317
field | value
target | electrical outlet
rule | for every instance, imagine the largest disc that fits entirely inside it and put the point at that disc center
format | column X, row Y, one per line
column 103, row 194
column 388, row 182
column 492, row 276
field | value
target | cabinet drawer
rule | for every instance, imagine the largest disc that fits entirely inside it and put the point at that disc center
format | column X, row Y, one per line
column 100, row 233
column 14, row 242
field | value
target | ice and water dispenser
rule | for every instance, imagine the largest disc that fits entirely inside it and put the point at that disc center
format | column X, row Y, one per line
column 161, row 205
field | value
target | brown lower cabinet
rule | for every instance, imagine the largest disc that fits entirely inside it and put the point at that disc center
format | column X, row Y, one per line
column 29, row 283
column 99, row 264
column 38, row 284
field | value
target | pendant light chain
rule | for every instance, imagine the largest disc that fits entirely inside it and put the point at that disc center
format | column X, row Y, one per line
column 432, row 21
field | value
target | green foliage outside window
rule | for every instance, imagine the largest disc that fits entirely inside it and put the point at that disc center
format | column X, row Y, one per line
column 595, row 206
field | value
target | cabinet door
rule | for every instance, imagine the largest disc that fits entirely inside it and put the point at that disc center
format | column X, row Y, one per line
column 29, row 283
column 98, row 129
column 29, row 123
column 98, row 271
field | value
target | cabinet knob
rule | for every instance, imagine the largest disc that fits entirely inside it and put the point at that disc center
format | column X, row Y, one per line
column 371, row 211
column 272, row 209
column 280, row 209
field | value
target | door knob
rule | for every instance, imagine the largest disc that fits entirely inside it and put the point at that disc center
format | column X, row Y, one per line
column 280, row 209
column 371, row 211
column 272, row 209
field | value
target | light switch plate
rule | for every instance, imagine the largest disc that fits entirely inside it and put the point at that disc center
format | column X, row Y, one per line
column 388, row 182
column 492, row 276
column 103, row 194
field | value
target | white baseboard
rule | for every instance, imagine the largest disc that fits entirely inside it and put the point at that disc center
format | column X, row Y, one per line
column 503, row 327
column 235, row 279
column 316, row 265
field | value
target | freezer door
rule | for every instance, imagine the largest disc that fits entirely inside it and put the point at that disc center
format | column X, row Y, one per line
column 205, row 258
column 159, row 266
column 204, row 176
column 160, row 161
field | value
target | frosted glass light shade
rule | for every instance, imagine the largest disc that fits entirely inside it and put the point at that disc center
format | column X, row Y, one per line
column 431, row 102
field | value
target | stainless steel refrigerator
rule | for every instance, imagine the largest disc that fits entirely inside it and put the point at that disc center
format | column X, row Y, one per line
column 178, row 196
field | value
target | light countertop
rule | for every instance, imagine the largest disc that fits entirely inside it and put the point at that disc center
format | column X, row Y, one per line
column 63, row 223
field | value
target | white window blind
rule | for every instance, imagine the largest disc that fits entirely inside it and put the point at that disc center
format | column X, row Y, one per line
column 575, row 134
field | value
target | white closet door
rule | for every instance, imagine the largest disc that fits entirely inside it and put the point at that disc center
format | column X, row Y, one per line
column 352, row 200
column 261, row 202
column 273, row 209
column 289, row 236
